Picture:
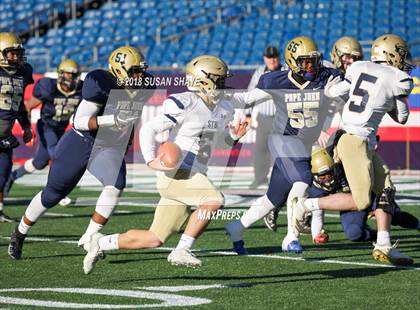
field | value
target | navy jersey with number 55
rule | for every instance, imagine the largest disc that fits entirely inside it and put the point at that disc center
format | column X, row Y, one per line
column 301, row 108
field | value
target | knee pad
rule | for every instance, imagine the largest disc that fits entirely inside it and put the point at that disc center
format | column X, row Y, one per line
column 39, row 164
column 50, row 197
column 29, row 166
column 107, row 201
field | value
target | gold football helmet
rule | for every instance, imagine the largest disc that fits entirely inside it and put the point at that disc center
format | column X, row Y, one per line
column 10, row 43
column 322, row 166
column 68, row 74
column 126, row 61
column 207, row 74
column 299, row 52
column 393, row 50
column 346, row 46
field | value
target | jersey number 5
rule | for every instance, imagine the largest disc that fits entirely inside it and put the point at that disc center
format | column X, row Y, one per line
column 360, row 92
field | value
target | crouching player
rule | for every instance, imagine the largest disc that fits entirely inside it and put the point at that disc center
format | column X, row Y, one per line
column 374, row 89
column 59, row 98
column 329, row 178
column 194, row 118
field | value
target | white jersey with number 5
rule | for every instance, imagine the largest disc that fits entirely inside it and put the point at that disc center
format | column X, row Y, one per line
column 374, row 89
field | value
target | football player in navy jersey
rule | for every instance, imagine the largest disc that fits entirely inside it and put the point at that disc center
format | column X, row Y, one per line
column 15, row 75
column 59, row 98
column 345, row 52
column 99, row 133
column 301, row 109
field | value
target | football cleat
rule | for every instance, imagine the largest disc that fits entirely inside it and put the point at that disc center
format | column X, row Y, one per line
column 84, row 242
column 299, row 214
column 94, row 253
column 183, row 257
column 306, row 229
column 65, row 202
column 390, row 254
column 293, row 247
column 321, row 238
column 239, row 248
column 16, row 244
column 4, row 218
column 270, row 220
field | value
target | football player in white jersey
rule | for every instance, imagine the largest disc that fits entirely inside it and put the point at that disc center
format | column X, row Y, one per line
column 193, row 118
column 374, row 88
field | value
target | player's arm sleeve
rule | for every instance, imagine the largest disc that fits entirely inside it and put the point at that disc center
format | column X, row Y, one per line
column 401, row 111
column 245, row 100
column 173, row 115
column 342, row 88
column 84, row 112
column 41, row 89
column 254, row 80
column 402, row 89
column 28, row 74
column 251, row 86
column 23, row 117
column 148, row 133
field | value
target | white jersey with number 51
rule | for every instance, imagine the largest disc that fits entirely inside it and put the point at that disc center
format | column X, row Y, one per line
column 374, row 89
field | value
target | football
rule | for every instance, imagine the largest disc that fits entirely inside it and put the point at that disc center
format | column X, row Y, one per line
column 171, row 154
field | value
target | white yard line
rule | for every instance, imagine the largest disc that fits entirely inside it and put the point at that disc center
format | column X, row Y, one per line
column 228, row 253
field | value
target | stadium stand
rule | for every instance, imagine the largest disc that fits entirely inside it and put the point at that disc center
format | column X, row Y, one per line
column 233, row 29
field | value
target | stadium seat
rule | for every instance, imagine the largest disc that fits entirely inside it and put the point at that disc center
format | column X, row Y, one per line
column 239, row 37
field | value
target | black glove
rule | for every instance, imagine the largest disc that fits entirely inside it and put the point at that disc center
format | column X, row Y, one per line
column 27, row 134
column 9, row 143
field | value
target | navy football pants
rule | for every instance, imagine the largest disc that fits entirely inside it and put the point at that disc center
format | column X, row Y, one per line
column 72, row 157
column 48, row 138
column 286, row 171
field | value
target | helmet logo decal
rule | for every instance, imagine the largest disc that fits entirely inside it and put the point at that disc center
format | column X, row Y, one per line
column 120, row 57
column 293, row 46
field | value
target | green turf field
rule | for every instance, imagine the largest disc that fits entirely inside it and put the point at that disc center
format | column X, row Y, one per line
column 339, row 275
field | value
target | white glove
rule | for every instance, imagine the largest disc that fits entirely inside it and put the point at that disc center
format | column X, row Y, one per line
column 238, row 129
column 330, row 83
